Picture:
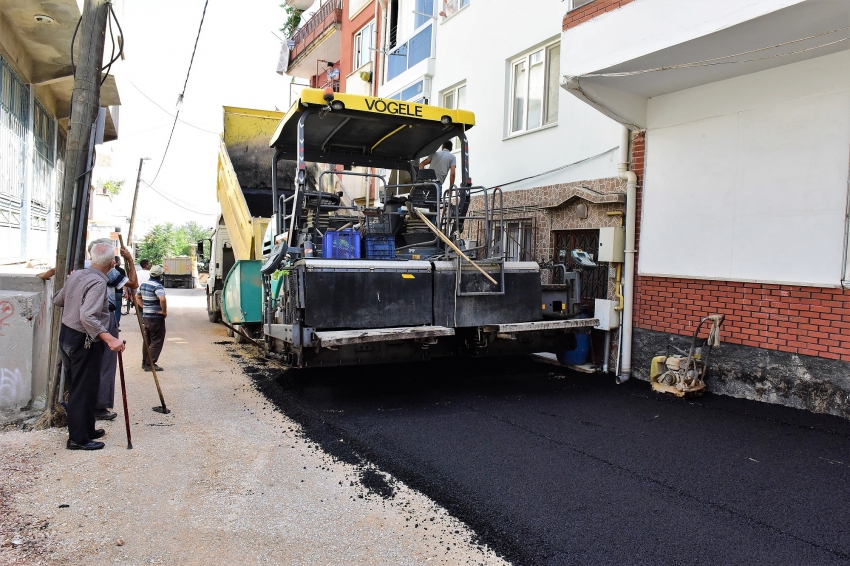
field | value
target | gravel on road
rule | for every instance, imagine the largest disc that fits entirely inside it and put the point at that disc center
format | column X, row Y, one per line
column 224, row 479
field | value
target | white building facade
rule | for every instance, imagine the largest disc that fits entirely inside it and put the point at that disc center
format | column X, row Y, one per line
column 744, row 115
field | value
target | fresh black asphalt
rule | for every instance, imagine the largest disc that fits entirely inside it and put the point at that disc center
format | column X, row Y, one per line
column 551, row 467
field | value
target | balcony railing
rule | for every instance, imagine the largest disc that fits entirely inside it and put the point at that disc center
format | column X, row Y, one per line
column 329, row 14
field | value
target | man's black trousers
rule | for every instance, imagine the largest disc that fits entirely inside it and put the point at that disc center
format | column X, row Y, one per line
column 82, row 378
column 155, row 331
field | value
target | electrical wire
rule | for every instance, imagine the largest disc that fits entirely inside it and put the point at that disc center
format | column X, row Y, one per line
column 111, row 16
column 176, row 203
column 721, row 60
column 562, row 167
column 74, row 39
column 169, row 113
column 180, row 98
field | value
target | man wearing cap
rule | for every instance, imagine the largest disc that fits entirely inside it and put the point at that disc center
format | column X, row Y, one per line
column 151, row 299
column 82, row 339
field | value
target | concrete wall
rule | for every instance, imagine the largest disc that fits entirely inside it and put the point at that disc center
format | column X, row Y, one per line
column 18, row 311
column 39, row 316
column 605, row 38
column 484, row 65
column 746, row 179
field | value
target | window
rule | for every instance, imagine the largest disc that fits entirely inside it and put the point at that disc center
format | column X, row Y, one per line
column 14, row 118
column 408, row 54
column 578, row 3
column 417, row 92
column 43, row 162
column 455, row 98
column 517, row 240
column 450, row 7
column 534, row 89
column 424, row 11
column 364, row 43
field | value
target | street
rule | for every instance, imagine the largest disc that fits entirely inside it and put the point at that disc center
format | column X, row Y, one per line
column 503, row 456
column 553, row 468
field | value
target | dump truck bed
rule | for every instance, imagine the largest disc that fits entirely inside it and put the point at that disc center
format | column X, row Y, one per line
column 244, row 177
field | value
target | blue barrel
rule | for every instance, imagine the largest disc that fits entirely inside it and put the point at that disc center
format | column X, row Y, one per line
column 576, row 354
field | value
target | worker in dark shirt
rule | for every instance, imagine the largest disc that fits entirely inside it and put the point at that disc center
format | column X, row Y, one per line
column 117, row 281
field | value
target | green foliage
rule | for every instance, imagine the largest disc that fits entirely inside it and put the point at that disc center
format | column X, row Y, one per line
column 167, row 240
column 293, row 20
column 112, row 186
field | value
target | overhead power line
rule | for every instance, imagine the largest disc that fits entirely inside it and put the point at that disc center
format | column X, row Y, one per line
column 180, row 98
column 176, row 202
column 154, row 102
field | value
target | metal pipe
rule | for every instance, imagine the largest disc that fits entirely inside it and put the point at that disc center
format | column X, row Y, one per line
column 607, row 351
column 275, row 215
column 629, row 280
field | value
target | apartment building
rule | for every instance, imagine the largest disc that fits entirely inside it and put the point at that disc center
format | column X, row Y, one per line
column 740, row 114
column 35, row 95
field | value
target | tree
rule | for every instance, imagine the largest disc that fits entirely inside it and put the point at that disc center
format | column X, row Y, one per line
column 111, row 186
column 293, row 20
column 166, row 240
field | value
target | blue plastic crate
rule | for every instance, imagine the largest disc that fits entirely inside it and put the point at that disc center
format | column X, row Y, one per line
column 344, row 244
column 379, row 246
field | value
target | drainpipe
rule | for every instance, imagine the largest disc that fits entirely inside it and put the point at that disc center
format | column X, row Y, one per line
column 629, row 278
column 376, row 79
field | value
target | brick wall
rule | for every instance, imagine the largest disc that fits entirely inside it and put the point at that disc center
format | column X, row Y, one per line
column 812, row 321
column 590, row 11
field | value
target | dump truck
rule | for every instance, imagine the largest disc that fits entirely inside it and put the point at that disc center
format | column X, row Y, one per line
column 244, row 193
column 181, row 272
column 421, row 274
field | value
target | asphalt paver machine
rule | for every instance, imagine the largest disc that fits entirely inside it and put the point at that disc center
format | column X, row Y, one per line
column 415, row 273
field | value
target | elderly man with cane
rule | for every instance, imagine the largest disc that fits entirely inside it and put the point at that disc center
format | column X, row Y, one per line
column 82, row 339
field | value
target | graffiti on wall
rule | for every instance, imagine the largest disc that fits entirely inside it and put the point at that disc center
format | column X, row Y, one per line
column 7, row 309
column 12, row 386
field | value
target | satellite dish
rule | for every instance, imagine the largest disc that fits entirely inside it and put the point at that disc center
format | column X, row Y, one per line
column 299, row 4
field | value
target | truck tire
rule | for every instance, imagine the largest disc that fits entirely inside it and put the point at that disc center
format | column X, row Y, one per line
column 230, row 332
column 213, row 316
column 240, row 339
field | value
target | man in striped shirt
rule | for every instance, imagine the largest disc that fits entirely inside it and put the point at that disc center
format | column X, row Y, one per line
column 151, row 299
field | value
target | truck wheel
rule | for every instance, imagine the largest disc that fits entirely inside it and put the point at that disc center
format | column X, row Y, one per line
column 230, row 332
column 240, row 339
column 213, row 316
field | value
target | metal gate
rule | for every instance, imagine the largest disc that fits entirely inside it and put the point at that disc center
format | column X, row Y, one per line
column 594, row 281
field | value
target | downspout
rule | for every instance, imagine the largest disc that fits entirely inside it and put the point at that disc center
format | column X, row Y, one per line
column 376, row 76
column 629, row 279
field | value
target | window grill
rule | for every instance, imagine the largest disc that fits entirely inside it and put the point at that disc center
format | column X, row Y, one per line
column 14, row 115
column 594, row 281
column 44, row 127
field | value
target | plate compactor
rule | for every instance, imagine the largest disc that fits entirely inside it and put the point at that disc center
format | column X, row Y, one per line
column 683, row 375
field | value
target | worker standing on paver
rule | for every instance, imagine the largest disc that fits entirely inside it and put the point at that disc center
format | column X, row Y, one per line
column 82, row 339
column 151, row 299
column 443, row 163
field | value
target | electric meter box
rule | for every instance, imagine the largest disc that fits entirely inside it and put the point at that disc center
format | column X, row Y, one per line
column 612, row 245
column 606, row 312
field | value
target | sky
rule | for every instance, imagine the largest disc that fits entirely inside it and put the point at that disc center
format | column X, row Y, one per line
column 234, row 65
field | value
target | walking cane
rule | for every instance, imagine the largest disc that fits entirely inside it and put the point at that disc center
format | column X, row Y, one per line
column 124, row 398
column 162, row 409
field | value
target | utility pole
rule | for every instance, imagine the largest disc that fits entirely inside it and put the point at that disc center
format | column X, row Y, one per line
column 85, row 103
column 135, row 200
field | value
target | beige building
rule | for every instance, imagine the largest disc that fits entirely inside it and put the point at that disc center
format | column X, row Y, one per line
column 35, row 94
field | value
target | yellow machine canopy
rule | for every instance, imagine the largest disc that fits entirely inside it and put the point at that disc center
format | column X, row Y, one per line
column 363, row 131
